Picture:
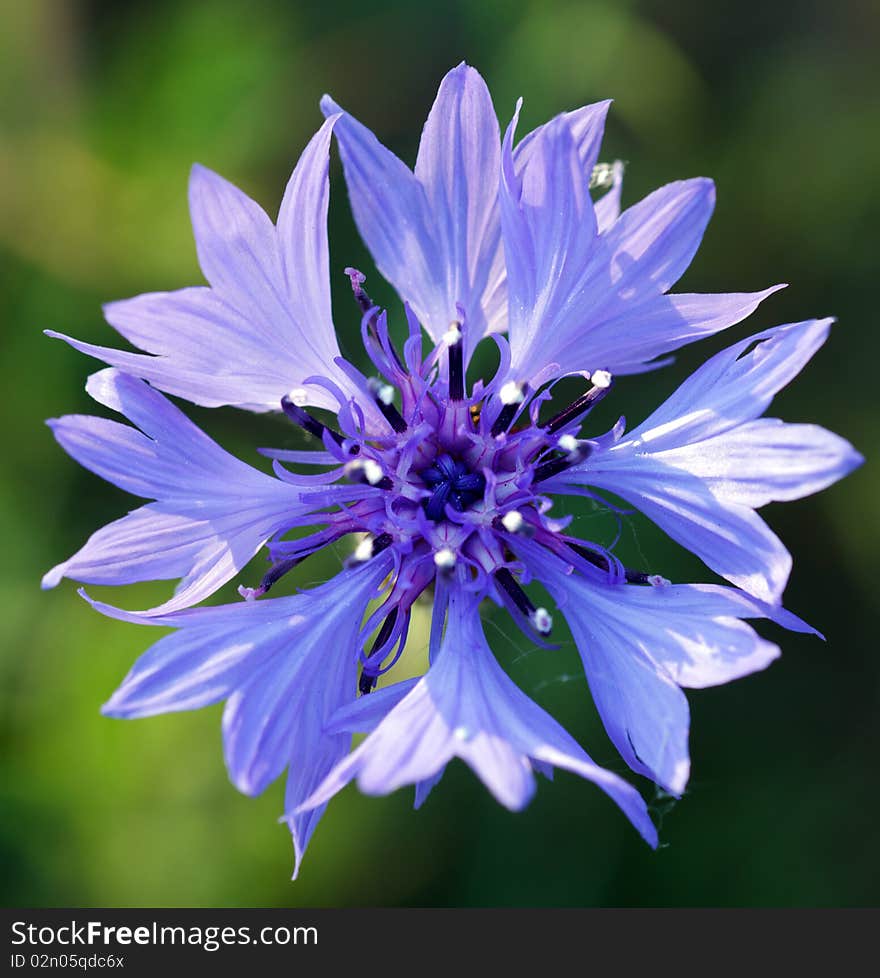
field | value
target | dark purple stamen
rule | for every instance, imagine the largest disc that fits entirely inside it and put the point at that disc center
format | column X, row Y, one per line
column 456, row 367
column 358, row 475
column 637, row 577
column 357, row 287
column 515, row 592
column 277, row 571
column 586, row 402
column 366, row 305
column 562, row 462
column 311, row 424
column 505, row 417
column 368, row 679
column 382, row 542
column 391, row 415
column 451, row 482
column 598, row 560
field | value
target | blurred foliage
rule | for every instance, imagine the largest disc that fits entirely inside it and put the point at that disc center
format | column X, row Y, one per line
column 104, row 108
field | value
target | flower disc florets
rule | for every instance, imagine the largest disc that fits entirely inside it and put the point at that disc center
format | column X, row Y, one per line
column 444, row 480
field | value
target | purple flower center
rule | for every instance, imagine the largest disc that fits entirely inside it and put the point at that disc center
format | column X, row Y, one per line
column 447, row 480
column 452, row 482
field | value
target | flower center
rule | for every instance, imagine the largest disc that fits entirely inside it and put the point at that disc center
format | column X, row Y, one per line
column 450, row 481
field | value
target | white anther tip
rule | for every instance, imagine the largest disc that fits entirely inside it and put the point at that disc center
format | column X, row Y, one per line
column 452, row 335
column 298, row 396
column 384, row 392
column 542, row 620
column 655, row 580
column 511, row 393
column 373, row 471
column 444, row 559
column 512, row 521
column 363, row 551
column 567, row 443
column 601, row 378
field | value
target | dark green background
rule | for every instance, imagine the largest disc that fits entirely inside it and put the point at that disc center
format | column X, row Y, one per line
column 104, row 108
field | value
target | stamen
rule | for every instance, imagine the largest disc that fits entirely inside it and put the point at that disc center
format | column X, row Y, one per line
column 306, row 421
column 556, row 465
column 299, row 396
column 367, row 682
column 357, row 287
column 542, row 620
column 602, row 176
column 373, row 471
column 368, row 470
column 383, row 395
column 363, row 551
column 602, row 382
column 512, row 521
column 640, row 577
column 597, row 560
column 444, row 559
column 382, row 392
column 511, row 396
column 511, row 393
column 272, row 576
column 636, row 577
column 452, row 337
column 515, row 592
column 368, row 548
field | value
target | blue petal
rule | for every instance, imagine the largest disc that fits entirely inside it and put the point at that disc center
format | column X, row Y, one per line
column 767, row 461
column 640, row 644
column 550, row 235
column 586, row 125
column 638, row 334
column 212, row 513
column 264, row 326
column 467, row 707
column 728, row 537
column 285, row 665
column 580, row 299
column 652, row 243
column 433, row 233
column 700, row 464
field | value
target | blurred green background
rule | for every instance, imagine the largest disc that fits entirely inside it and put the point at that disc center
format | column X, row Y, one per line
column 104, row 107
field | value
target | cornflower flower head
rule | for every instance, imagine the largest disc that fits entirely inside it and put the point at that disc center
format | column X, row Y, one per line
column 442, row 484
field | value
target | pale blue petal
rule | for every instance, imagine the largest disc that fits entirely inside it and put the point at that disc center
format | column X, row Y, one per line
column 626, row 341
column 265, row 325
column 284, row 665
column 734, row 386
column 212, row 512
column 700, row 464
column 467, row 707
column 728, row 537
column 639, row 644
column 586, row 125
column 584, row 296
column 766, row 461
column 433, row 233
column 549, row 230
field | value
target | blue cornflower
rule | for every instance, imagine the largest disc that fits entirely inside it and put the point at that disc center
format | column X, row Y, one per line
column 441, row 484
